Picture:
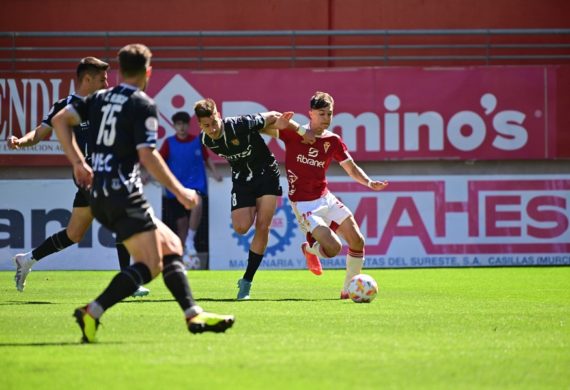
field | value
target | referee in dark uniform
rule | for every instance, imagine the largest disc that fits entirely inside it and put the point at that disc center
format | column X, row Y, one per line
column 124, row 121
column 255, row 174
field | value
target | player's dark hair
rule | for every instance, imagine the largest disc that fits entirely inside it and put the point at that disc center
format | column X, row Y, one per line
column 205, row 108
column 134, row 59
column 90, row 66
column 181, row 116
column 321, row 100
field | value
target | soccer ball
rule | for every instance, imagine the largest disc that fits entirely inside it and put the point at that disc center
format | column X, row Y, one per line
column 192, row 262
column 362, row 288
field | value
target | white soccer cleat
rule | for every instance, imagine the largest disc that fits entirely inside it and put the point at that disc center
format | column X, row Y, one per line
column 23, row 268
column 192, row 262
column 141, row 292
column 190, row 250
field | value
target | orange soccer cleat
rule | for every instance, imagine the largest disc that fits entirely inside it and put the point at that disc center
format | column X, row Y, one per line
column 313, row 262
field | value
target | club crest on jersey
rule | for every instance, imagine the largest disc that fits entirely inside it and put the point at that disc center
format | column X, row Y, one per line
column 116, row 184
column 235, row 142
column 151, row 124
column 327, row 145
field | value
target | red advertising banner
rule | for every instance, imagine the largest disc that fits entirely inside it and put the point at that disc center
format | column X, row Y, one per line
column 479, row 113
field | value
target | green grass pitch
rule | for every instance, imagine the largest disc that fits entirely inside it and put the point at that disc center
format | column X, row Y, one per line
column 506, row 328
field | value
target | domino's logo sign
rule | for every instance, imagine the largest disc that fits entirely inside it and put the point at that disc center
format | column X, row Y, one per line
column 178, row 94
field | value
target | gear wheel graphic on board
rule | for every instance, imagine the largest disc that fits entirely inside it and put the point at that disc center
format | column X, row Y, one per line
column 280, row 233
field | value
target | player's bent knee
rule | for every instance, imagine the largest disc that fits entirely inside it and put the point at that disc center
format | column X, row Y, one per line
column 156, row 269
column 356, row 242
column 75, row 235
column 173, row 247
column 241, row 229
column 262, row 229
column 332, row 249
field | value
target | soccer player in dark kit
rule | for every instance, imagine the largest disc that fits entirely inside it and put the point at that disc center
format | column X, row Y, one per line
column 255, row 174
column 125, row 124
column 91, row 74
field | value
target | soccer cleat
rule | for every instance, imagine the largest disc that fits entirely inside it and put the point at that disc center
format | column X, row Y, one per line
column 313, row 262
column 244, row 287
column 141, row 292
column 23, row 268
column 190, row 250
column 87, row 324
column 344, row 295
column 210, row 322
column 192, row 262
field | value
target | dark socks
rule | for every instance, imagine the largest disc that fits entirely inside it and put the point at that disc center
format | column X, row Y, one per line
column 52, row 244
column 174, row 275
column 124, row 256
column 253, row 263
column 124, row 284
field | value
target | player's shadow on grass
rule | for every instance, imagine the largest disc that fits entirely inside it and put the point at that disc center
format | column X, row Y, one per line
column 266, row 300
column 27, row 303
column 205, row 299
column 145, row 300
column 53, row 344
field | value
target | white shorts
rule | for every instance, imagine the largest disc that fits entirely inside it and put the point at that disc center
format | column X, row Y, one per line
column 320, row 212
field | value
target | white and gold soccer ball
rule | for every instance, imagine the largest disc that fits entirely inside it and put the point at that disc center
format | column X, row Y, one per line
column 362, row 288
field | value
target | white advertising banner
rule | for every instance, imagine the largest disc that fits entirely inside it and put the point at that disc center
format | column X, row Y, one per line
column 32, row 210
column 421, row 221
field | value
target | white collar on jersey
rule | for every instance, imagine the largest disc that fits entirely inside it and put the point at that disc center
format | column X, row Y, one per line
column 128, row 86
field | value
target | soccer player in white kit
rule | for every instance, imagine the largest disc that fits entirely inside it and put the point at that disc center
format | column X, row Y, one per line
column 321, row 215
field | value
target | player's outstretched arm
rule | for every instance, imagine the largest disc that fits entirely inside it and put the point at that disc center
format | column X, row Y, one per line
column 271, row 128
column 285, row 122
column 270, row 118
column 63, row 123
column 270, row 131
column 155, row 165
column 361, row 177
column 33, row 137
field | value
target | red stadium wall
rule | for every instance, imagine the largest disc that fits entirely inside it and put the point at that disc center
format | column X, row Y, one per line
column 175, row 15
column 563, row 120
column 288, row 15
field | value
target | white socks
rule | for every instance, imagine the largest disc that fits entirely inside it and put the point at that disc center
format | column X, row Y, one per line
column 190, row 242
column 193, row 311
column 95, row 309
column 354, row 263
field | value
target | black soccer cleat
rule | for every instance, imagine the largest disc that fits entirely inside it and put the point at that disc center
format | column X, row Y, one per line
column 210, row 322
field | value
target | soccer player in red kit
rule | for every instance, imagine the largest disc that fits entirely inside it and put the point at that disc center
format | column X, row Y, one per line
column 321, row 215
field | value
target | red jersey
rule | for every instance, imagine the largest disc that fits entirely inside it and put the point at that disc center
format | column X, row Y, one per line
column 307, row 165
